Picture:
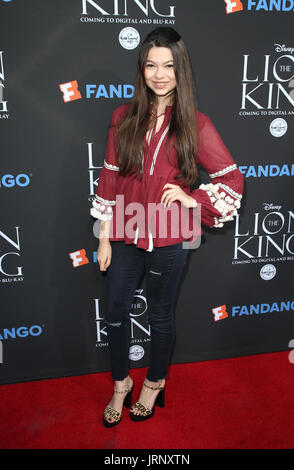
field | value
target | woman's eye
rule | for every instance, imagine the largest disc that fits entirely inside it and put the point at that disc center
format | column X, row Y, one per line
column 149, row 65
column 170, row 65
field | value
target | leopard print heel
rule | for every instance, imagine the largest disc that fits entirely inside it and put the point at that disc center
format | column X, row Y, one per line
column 144, row 412
column 111, row 413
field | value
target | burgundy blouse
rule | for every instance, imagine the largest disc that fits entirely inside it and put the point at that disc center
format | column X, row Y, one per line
column 133, row 204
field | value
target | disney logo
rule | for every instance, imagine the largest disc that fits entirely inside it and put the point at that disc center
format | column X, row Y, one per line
column 268, row 207
column 283, row 48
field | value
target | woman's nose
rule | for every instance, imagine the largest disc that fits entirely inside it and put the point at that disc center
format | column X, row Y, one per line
column 159, row 73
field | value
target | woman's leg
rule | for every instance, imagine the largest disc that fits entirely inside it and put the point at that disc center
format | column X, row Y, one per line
column 123, row 277
column 164, row 271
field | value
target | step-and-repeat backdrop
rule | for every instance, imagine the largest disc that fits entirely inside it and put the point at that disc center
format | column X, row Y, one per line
column 64, row 67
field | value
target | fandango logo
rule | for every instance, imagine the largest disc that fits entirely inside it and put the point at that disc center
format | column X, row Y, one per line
column 259, row 171
column 109, row 91
column 71, row 92
column 271, row 5
column 21, row 332
column 8, row 181
column 249, row 310
column 233, row 6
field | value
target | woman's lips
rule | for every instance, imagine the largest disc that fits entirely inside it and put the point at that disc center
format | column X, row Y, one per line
column 159, row 84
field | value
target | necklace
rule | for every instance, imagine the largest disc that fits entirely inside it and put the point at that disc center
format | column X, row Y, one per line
column 157, row 115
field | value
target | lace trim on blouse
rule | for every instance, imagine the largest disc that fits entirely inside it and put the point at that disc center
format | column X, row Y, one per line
column 223, row 202
column 224, row 171
column 101, row 208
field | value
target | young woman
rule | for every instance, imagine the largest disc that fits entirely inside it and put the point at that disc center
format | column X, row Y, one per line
column 155, row 145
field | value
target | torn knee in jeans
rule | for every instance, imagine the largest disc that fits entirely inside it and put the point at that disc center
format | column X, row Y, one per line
column 154, row 272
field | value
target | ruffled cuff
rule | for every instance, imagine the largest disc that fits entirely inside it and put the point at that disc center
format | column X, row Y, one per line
column 101, row 208
column 224, row 199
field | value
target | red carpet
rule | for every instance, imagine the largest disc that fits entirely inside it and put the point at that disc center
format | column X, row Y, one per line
column 238, row 403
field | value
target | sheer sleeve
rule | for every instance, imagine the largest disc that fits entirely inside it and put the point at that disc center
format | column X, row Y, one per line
column 105, row 197
column 221, row 198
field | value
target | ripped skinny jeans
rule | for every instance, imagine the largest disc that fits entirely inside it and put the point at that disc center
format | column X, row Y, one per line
column 163, row 267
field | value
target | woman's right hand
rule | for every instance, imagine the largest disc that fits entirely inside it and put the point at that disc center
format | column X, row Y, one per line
column 104, row 254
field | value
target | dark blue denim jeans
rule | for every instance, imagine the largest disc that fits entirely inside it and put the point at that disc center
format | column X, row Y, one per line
column 163, row 267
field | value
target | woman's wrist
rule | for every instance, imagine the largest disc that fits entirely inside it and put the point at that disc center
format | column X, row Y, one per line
column 104, row 231
column 104, row 240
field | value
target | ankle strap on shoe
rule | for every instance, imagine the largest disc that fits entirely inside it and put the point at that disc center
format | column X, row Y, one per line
column 155, row 388
column 124, row 391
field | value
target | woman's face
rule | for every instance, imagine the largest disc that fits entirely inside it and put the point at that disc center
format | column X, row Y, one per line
column 159, row 71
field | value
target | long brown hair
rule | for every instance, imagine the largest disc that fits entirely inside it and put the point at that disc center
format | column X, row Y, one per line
column 183, row 131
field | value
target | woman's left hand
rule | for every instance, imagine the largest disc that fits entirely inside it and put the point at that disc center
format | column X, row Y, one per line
column 175, row 193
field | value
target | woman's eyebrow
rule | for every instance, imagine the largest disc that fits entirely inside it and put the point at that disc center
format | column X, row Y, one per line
column 149, row 60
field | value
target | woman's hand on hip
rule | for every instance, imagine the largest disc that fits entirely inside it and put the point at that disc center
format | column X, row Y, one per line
column 104, row 254
column 173, row 192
